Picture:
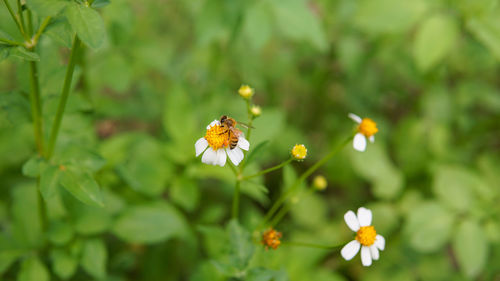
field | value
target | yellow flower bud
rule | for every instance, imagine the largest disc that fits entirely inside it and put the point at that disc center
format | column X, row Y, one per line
column 246, row 92
column 320, row 183
column 256, row 110
column 299, row 152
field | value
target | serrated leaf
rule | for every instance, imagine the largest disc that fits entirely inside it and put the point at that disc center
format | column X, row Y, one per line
column 434, row 40
column 32, row 269
column 149, row 224
column 64, row 265
column 241, row 246
column 46, row 8
column 82, row 185
column 94, row 258
column 471, row 248
column 87, row 23
column 428, row 226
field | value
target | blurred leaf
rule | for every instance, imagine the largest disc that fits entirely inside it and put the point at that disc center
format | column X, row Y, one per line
column 256, row 191
column 60, row 232
column 24, row 54
column 241, row 246
column 32, row 269
column 100, row 3
column 9, row 252
column 60, row 31
column 27, row 226
column 178, row 108
column 296, row 21
column 94, row 258
column 254, row 152
column 150, row 224
column 50, row 177
column 428, row 226
column 91, row 220
column 487, row 30
column 434, row 40
column 375, row 165
column 80, row 183
column 388, row 15
column 471, row 248
column 63, row 264
column 265, row 274
column 308, row 209
column 32, row 167
column 258, row 25
column 451, row 186
column 46, row 8
column 185, row 192
column 87, row 23
column 81, row 156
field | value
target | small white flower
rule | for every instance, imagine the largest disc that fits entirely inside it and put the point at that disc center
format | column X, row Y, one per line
column 366, row 237
column 367, row 129
column 218, row 146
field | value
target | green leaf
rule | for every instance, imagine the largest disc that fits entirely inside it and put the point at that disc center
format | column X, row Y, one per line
column 24, row 54
column 150, row 224
column 60, row 31
column 46, row 8
column 258, row 25
column 87, row 23
column 82, row 185
column 241, row 246
column 27, row 221
column 452, row 186
column 32, row 167
column 434, row 40
column 32, row 269
column 100, row 3
column 388, row 15
column 49, row 181
column 428, row 226
column 471, row 248
column 64, row 265
column 60, row 232
column 265, row 274
column 296, row 21
column 487, row 30
column 94, row 258
column 255, row 151
column 186, row 193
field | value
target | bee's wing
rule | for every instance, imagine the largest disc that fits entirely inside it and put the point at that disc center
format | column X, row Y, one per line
column 246, row 126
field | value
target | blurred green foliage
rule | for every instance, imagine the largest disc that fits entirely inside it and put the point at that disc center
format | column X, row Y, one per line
column 125, row 198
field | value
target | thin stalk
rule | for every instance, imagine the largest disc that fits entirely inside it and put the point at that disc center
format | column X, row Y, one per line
column 64, row 96
column 284, row 210
column 10, row 42
column 305, row 175
column 41, row 206
column 268, row 170
column 44, row 24
column 36, row 107
column 236, row 200
column 20, row 13
column 16, row 20
column 312, row 245
column 30, row 24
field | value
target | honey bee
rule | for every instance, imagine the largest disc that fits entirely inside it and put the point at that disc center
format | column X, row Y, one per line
column 229, row 124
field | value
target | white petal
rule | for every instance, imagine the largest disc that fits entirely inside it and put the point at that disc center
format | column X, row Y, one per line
column 213, row 123
column 209, row 157
column 350, row 250
column 374, row 252
column 359, row 142
column 366, row 256
column 352, row 221
column 364, row 216
column 243, row 143
column 221, row 157
column 200, row 146
column 235, row 155
column 380, row 242
column 372, row 139
column 354, row 117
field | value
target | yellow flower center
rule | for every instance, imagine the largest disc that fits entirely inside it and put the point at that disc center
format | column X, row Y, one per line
column 299, row 151
column 366, row 235
column 368, row 127
column 216, row 137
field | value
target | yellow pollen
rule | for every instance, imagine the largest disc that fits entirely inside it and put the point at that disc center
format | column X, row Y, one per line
column 271, row 239
column 366, row 235
column 216, row 137
column 299, row 151
column 368, row 127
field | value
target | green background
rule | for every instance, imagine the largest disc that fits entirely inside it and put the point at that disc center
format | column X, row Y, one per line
column 135, row 204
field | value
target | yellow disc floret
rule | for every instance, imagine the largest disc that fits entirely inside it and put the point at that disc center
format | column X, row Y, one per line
column 299, row 151
column 366, row 235
column 216, row 137
column 271, row 239
column 368, row 127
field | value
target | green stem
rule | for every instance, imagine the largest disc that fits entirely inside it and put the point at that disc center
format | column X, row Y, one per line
column 36, row 107
column 64, row 96
column 312, row 245
column 16, row 20
column 306, row 174
column 268, row 170
column 236, row 200
column 42, row 207
column 44, row 24
column 284, row 210
column 20, row 13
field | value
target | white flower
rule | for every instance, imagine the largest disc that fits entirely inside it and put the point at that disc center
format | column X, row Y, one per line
column 218, row 146
column 366, row 237
column 367, row 129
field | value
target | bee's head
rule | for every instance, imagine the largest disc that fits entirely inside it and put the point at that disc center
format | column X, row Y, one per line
column 223, row 119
